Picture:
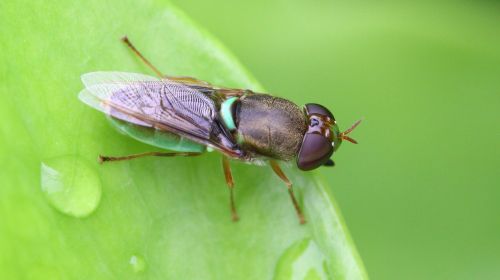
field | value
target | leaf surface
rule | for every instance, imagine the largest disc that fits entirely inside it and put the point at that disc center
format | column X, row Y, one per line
column 65, row 216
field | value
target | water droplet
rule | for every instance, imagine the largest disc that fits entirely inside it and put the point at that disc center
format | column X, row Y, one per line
column 302, row 260
column 71, row 185
column 137, row 263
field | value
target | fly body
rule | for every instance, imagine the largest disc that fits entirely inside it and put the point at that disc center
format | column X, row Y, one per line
column 187, row 116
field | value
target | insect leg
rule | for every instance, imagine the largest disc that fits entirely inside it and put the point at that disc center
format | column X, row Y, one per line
column 132, row 47
column 230, row 184
column 180, row 79
column 103, row 159
column 188, row 80
column 276, row 168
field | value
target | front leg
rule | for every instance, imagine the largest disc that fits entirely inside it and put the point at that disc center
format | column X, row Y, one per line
column 276, row 168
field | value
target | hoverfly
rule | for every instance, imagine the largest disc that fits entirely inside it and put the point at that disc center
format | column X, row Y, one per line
column 188, row 117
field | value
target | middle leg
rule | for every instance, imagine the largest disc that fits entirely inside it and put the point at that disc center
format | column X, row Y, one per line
column 230, row 185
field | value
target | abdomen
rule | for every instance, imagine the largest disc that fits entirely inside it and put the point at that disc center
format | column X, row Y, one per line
column 158, row 138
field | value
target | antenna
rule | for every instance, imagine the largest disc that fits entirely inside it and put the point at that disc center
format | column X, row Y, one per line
column 344, row 136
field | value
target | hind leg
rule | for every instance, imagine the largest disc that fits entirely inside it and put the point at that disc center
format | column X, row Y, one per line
column 103, row 159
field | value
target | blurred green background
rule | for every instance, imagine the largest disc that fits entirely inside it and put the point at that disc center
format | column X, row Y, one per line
column 420, row 193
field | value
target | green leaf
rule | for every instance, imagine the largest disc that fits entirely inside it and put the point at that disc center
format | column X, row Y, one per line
column 65, row 216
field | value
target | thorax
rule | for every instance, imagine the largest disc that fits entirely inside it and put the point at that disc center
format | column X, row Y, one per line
column 269, row 126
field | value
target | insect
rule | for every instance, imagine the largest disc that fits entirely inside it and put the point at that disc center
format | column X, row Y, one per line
column 188, row 116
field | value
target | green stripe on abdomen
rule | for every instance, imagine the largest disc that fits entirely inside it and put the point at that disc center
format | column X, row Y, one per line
column 158, row 138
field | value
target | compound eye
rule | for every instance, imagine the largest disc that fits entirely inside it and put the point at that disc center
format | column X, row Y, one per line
column 315, row 151
column 317, row 109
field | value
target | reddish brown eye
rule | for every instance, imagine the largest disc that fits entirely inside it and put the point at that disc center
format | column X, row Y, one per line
column 317, row 109
column 315, row 151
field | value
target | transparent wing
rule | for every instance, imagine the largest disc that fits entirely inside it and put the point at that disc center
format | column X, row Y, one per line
column 100, row 85
column 151, row 102
column 101, row 77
